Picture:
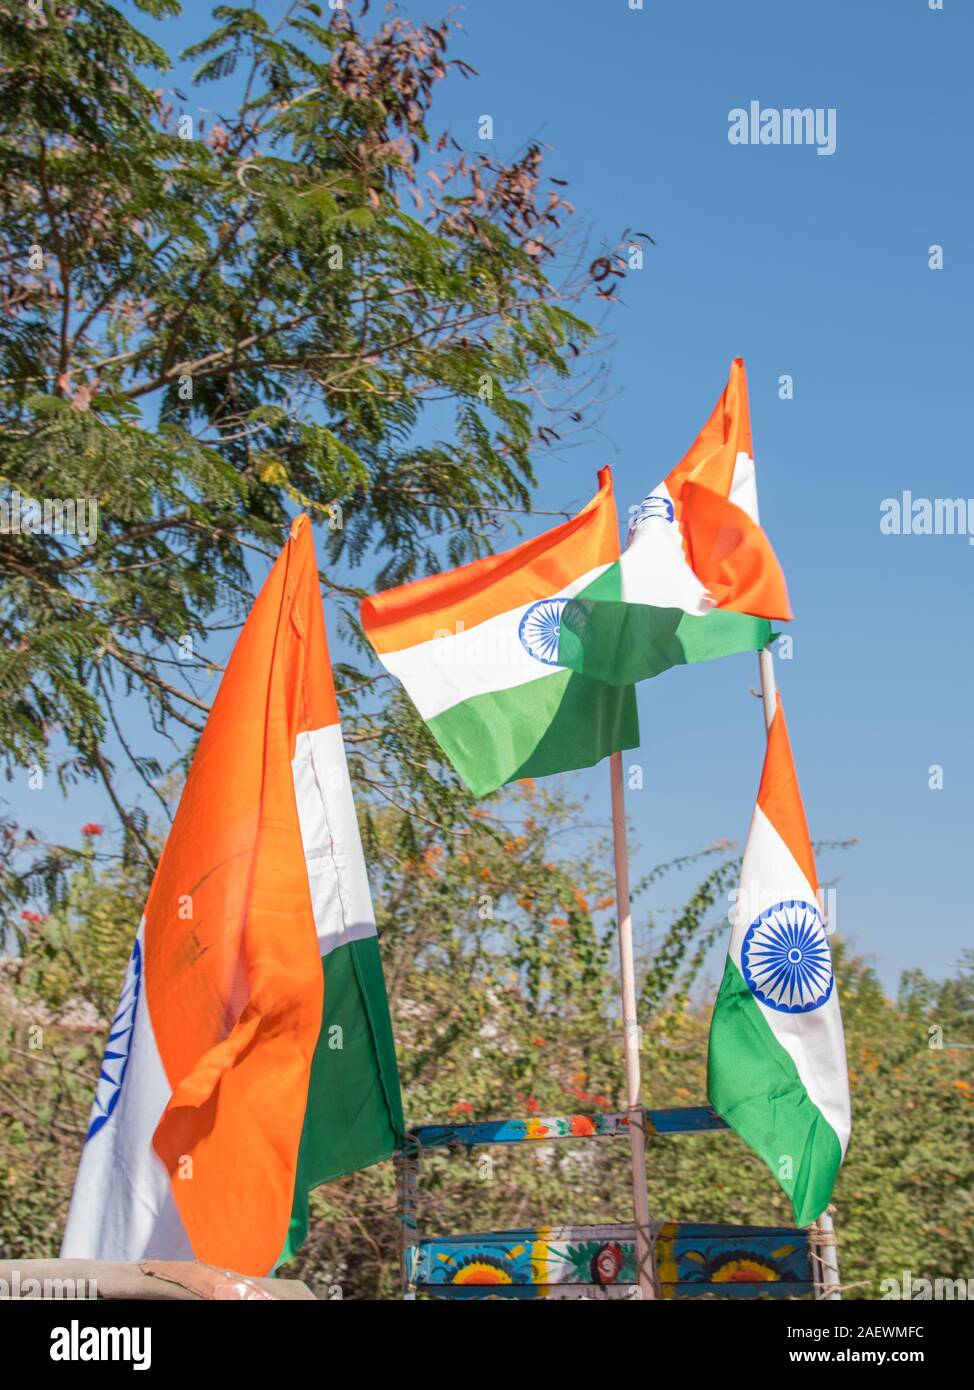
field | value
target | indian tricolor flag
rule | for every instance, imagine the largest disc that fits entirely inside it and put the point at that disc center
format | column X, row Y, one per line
column 477, row 651
column 251, row 1056
column 698, row 577
column 777, row 1066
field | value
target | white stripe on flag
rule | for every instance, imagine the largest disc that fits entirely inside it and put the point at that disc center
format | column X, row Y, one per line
column 337, row 876
column 655, row 571
column 771, row 874
column 123, row 1207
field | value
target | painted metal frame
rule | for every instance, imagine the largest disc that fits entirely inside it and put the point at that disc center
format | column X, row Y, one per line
column 693, row 1260
column 691, row 1120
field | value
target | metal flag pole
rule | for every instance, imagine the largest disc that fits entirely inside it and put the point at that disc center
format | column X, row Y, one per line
column 645, row 1251
column 827, row 1274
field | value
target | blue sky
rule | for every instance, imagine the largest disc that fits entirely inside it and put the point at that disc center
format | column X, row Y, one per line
column 807, row 265
column 815, row 266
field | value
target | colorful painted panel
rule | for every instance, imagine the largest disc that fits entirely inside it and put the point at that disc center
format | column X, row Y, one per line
column 692, row 1260
column 685, row 1120
column 732, row 1261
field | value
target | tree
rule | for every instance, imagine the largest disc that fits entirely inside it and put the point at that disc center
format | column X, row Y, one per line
column 207, row 330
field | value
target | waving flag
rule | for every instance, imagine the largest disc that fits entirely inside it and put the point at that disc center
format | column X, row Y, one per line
column 251, row 1056
column 777, row 1066
column 698, row 578
column 477, row 650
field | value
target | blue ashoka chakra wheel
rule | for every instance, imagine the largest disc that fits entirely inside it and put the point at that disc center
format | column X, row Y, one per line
column 650, row 506
column 786, row 959
column 117, row 1048
column 540, row 628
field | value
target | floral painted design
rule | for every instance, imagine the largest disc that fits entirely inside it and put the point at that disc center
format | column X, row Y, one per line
column 581, row 1126
column 482, row 1270
column 607, row 1263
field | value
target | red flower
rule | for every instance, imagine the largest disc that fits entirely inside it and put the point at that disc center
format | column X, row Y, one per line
column 31, row 916
column 463, row 1106
column 91, row 828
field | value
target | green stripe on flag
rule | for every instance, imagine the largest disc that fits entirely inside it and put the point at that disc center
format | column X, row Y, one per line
column 622, row 643
column 354, row 1112
column 754, row 1085
column 554, row 724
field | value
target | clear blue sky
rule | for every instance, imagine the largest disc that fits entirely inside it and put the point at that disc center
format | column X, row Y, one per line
column 818, row 267
column 802, row 264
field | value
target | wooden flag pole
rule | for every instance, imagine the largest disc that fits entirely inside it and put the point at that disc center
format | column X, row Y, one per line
column 827, row 1276
column 645, row 1251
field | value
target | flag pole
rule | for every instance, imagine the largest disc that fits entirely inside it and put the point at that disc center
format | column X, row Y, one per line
column 645, row 1252
column 827, row 1277
column 769, row 686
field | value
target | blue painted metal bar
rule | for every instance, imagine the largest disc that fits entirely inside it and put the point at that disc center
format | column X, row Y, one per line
column 684, row 1120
